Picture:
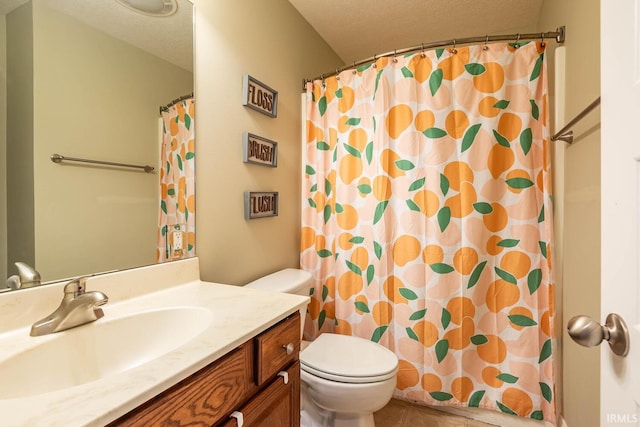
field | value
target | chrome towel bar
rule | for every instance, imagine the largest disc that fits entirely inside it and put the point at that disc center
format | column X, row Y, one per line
column 565, row 134
column 57, row 158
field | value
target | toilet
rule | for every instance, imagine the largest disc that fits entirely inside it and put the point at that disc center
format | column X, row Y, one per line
column 345, row 379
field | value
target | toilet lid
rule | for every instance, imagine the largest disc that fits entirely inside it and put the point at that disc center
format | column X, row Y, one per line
column 348, row 359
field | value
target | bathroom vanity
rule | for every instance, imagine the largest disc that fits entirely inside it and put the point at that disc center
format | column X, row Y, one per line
column 170, row 350
column 258, row 383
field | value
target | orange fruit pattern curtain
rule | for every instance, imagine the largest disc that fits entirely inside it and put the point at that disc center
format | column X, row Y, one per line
column 426, row 222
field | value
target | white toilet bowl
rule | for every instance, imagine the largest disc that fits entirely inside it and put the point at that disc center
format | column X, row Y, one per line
column 325, row 404
column 344, row 379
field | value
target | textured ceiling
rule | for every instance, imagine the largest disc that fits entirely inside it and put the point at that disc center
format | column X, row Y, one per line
column 7, row 6
column 170, row 38
column 355, row 29
column 359, row 29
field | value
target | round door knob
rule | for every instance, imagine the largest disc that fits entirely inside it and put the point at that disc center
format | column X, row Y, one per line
column 587, row 332
column 289, row 348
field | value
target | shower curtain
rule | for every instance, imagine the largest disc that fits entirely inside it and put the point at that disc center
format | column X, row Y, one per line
column 426, row 222
column 176, row 217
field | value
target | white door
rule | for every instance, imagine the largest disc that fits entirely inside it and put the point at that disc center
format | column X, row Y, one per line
column 620, row 178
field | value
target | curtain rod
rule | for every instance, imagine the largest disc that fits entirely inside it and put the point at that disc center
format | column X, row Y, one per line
column 558, row 35
column 175, row 101
column 565, row 136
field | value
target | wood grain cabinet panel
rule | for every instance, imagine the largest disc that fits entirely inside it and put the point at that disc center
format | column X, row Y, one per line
column 272, row 354
column 278, row 405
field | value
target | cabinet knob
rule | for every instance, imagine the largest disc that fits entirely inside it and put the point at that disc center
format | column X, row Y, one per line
column 289, row 348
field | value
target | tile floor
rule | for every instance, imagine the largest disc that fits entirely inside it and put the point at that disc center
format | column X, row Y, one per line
column 398, row 413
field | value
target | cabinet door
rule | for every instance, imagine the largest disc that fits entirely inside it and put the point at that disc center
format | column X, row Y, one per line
column 276, row 405
column 200, row 400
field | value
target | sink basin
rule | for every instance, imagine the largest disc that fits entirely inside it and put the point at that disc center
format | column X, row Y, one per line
column 99, row 349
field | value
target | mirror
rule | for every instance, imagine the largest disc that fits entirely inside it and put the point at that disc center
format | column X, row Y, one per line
column 85, row 79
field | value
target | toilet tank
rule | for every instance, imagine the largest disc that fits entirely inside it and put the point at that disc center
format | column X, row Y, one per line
column 288, row 281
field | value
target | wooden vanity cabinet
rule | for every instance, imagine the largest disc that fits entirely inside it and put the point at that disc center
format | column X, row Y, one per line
column 277, row 405
column 258, row 382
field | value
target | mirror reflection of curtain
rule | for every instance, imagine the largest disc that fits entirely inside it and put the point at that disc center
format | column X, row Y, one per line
column 176, row 217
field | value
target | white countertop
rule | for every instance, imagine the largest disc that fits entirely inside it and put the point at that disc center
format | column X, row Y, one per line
column 237, row 315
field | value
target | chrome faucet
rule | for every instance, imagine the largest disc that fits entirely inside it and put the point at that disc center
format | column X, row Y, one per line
column 77, row 308
column 27, row 277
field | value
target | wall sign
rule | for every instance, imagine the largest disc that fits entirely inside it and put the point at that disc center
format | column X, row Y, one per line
column 259, row 96
column 258, row 150
column 260, row 204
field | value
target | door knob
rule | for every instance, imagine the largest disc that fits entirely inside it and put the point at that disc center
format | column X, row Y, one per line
column 589, row 333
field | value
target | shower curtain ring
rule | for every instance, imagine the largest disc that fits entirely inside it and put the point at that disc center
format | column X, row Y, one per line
column 374, row 61
column 337, row 73
column 486, row 43
column 323, row 83
column 354, row 67
column 395, row 60
column 422, row 54
column 454, row 50
column 542, row 43
column 517, row 43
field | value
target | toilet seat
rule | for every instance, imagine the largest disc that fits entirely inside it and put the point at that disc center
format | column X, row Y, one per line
column 348, row 359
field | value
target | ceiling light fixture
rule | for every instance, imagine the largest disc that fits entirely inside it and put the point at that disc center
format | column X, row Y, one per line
column 151, row 7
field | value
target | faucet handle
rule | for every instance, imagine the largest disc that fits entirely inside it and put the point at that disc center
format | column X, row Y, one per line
column 76, row 287
column 28, row 275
